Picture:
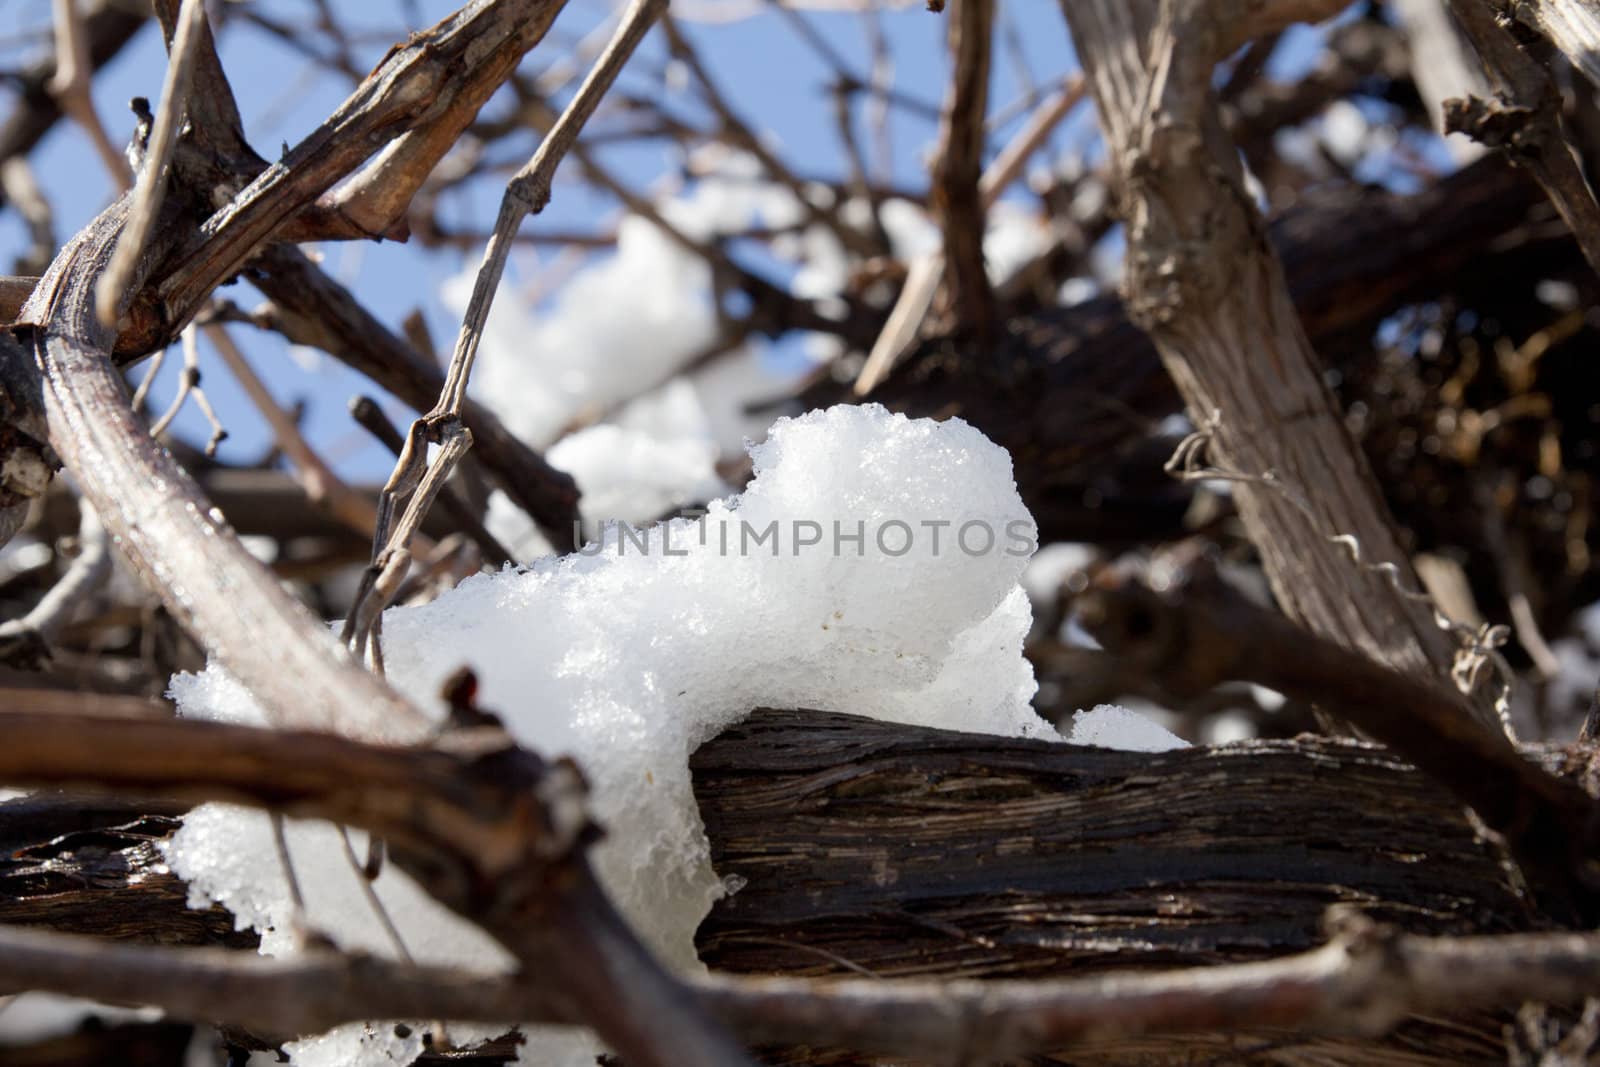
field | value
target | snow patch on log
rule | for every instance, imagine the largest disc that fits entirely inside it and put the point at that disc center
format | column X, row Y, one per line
column 631, row 653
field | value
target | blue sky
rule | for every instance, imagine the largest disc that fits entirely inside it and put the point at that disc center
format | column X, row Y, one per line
column 776, row 80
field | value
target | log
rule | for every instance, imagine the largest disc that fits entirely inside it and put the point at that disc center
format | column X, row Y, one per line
column 866, row 846
column 870, row 847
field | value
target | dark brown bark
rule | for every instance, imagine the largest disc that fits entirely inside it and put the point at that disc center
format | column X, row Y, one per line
column 898, row 851
column 903, row 851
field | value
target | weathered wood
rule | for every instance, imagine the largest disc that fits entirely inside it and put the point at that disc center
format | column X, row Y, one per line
column 898, row 851
column 904, row 851
column 61, row 882
column 1202, row 281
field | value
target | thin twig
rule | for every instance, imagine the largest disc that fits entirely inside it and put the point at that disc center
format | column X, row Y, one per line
column 143, row 392
column 22, row 189
column 529, row 191
column 922, row 281
column 28, row 639
column 322, row 485
column 370, row 416
column 526, row 194
column 739, row 133
column 152, row 182
column 70, row 86
column 188, row 385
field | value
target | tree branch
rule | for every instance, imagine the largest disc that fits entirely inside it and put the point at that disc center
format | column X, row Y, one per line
column 1195, row 641
column 1203, row 283
column 416, row 84
column 491, row 831
column 1524, row 120
column 956, row 198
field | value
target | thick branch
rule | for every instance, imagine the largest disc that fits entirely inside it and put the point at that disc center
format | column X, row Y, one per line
column 1214, row 635
column 1203, row 283
column 419, row 83
column 168, row 530
column 977, row 823
column 1573, row 26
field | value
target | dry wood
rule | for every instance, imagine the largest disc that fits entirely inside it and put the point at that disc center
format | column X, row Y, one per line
column 416, row 478
column 1084, row 379
column 922, row 280
column 1209, row 634
column 1573, row 26
column 1202, row 281
column 866, row 848
column 417, row 83
column 956, row 198
column 154, row 169
column 918, row 854
column 489, row 830
column 27, row 640
column 310, row 308
column 158, row 516
column 1524, row 120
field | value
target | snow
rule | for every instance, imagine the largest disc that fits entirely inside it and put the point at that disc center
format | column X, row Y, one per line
column 631, row 653
column 658, row 455
column 625, row 322
column 29, row 1018
column 1108, row 726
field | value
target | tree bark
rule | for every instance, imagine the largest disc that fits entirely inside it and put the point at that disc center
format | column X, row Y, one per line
column 908, row 852
column 899, row 851
column 1204, row 283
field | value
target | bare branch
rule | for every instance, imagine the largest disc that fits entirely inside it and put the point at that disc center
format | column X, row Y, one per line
column 238, row 611
column 188, row 386
column 416, row 82
column 310, row 308
column 70, row 86
column 20, row 187
column 956, row 199
column 322, row 485
column 489, row 830
column 527, row 193
column 14, row 293
column 1571, row 25
column 1202, row 281
column 1524, row 121
column 154, row 169
column 922, row 281
column 1363, row 981
column 1200, row 640
column 280, row 998
column 28, row 639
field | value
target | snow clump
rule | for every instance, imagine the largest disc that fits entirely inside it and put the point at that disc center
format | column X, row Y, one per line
column 871, row 566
